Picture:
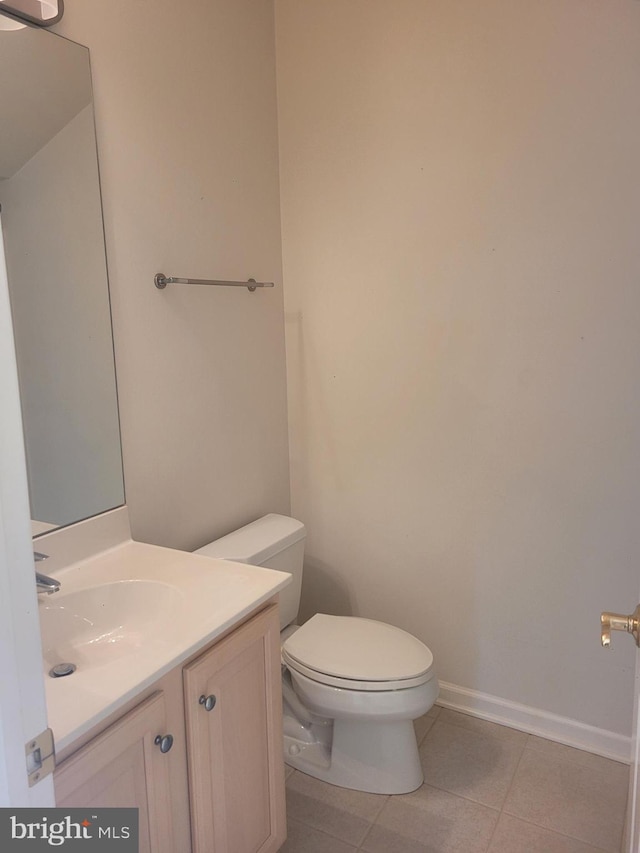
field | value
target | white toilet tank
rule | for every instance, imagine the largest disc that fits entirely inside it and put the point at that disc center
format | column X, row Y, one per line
column 273, row 541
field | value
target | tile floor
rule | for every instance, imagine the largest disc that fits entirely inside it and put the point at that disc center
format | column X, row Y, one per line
column 488, row 789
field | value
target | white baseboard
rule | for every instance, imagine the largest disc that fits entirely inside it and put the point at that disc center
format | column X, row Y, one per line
column 535, row 721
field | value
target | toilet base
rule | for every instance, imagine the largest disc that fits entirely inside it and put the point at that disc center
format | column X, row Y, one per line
column 376, row 757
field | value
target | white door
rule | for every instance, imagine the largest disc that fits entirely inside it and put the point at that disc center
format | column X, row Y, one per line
column 23, row 713
column 633, row 810
column 618, row 622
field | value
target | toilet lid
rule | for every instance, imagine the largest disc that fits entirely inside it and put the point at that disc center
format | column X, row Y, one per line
column 361, row 651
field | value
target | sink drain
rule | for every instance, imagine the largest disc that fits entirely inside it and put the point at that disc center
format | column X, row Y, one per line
column 62, row 669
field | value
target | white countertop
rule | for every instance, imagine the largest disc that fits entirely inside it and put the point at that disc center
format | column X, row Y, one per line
column 191, row 600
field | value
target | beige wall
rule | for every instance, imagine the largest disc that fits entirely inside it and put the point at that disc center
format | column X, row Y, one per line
column 459, row 183
column 187, row 140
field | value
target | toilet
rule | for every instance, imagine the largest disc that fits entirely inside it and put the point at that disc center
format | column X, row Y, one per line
column 351, row 686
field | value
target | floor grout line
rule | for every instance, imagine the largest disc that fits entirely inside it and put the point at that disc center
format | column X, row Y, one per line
column 554, row 832
column 570, row 760
column 524, row 748
column 328, row 834
column 366, row 835
column 382, row 805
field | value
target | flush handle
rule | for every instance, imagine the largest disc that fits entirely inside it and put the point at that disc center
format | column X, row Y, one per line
column 165, row 742
column 209, row 702
column 617, row 622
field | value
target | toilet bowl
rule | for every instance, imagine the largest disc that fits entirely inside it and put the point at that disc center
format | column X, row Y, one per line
column 351, row 686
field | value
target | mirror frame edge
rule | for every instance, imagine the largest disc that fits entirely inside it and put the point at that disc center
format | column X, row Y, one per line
column 18, row 15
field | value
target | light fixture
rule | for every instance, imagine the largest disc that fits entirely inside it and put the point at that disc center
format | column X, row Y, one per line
column 7, row 23
column 49, row 8
column 43, row 13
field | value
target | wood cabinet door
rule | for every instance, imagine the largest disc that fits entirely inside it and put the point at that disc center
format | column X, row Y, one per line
column 124, row 767
column 233, row 705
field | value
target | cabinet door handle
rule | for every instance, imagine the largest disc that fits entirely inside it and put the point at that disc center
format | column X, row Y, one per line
column 165, row 742
column 209, row 702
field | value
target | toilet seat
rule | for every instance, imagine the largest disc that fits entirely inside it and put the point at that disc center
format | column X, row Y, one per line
column 358, row 654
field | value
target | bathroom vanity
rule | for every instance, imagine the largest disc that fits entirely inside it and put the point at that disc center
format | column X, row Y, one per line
column 219, row 783
column 175, row 705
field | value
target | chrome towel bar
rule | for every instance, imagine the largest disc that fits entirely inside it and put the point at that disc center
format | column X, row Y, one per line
column 161, row 281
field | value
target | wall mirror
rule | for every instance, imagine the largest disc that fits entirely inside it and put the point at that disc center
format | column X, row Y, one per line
column 51, row 217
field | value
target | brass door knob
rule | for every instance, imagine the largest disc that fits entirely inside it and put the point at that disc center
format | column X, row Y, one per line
column 617, row 622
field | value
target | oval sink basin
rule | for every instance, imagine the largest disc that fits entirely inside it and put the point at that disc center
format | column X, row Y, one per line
column 105, row 622
column 130, row 614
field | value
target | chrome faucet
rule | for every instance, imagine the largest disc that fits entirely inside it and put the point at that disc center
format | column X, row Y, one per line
column 43, row 582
